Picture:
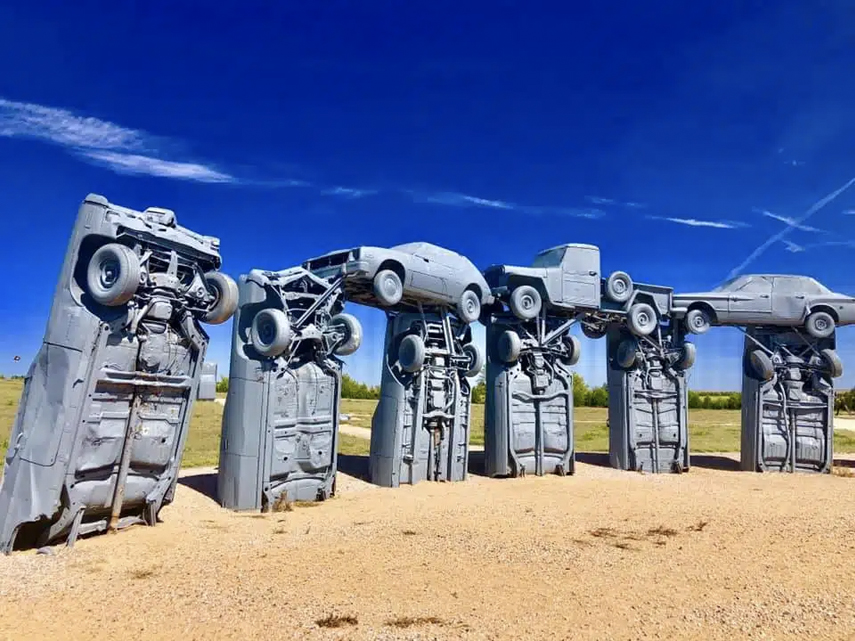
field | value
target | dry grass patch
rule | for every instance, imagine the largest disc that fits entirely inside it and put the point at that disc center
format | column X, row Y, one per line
column 337, row 621
column 409, row 622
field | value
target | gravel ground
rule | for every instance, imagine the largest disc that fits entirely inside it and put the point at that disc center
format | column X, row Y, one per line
column 712, row 554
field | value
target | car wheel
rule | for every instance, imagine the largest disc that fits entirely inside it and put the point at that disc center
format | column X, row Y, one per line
column 687, row 357
column 508, row 346
column 594, row 332
column 642, row 319
column 761, row 365
column 698, row 321
column 619, row 287
column 352, row 329
column 476, row 359
column 388, row 288
column 820, row 325
column 271, row 332
column 832, row 362
column 225, row 291
column 113, row 275
column 469, row 307
column 574, row 349
column 627, row 353
column 411, row 353
column 525, row 302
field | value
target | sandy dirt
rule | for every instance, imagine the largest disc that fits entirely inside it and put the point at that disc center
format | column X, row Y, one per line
column 712, row 554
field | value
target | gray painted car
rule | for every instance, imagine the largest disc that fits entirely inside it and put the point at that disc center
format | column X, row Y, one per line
column 412, row 273
column 767, row 299
column 565, row 281
column 106, row 404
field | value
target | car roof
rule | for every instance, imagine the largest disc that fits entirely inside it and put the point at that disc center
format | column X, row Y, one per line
column 566, row 245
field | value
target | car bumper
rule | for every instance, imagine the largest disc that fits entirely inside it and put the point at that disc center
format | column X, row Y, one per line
column 350, row 268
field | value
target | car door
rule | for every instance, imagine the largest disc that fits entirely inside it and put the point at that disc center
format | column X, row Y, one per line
column 752, row 302
column 581, row 276
column 428, row 277
column 789, row 297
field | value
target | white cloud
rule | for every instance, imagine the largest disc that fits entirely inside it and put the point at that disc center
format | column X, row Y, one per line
column 792, row 247
column 600, row 201
column 791, row 222
column 849, row 212
column 694, row 222
column 62, row 127
column 121, row 149
column 346, row 192
column 818, row 205
column 145, row 165
column 453, row 199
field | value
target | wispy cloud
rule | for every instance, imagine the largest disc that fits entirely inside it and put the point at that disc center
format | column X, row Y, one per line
column 598, row 200
column 136, row 164
column 345, row 192
column 849, row 212
column 453, row 199
column 121, row 149
column 791, row 222
column 792, row 247
column 694, row 222
column 62, row 127
column 817, row 206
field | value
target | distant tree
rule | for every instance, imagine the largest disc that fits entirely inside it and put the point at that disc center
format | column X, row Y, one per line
column 479, row 393
column 580, row 391
column 223, row 385
column 694, row 400
column 351, row 388
column 599, row 396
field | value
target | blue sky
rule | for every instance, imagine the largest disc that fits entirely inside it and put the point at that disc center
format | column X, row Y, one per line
column 685, row 139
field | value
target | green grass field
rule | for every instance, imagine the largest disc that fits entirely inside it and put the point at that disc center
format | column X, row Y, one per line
column 709, row 430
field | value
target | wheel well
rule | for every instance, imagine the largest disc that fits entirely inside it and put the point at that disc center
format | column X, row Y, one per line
column 824, row 308
column 475, row 288
column 395, row 266
column 647, row 298
column 706, row 307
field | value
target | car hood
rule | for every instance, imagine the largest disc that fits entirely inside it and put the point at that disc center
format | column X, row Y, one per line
column 496, row 273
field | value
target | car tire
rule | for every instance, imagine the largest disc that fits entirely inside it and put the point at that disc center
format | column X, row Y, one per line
column 698, row 321
column 831, row 361
column 508, row 346
column 225, row 291
column 687, row 357
column 593, row 332
column 761, row 365
column 619, row 287
column 525, row 302
column 574, row 349
column 411, row 353
column 388, row 288
column 819, row 324
column 113, row 275
column 476, row 359
column 642, row 319
column 352, row 330
column 626, row 353
column 271, row 332
column 469, row 307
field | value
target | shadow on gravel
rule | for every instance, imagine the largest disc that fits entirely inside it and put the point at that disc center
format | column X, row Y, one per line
column 354, row 465
column 842, row 462
column 714, row 462
column 477, row 466
column 205, row 484
column 600, row 459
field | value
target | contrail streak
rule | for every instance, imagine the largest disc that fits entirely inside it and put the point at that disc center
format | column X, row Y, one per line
column 786, row 230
